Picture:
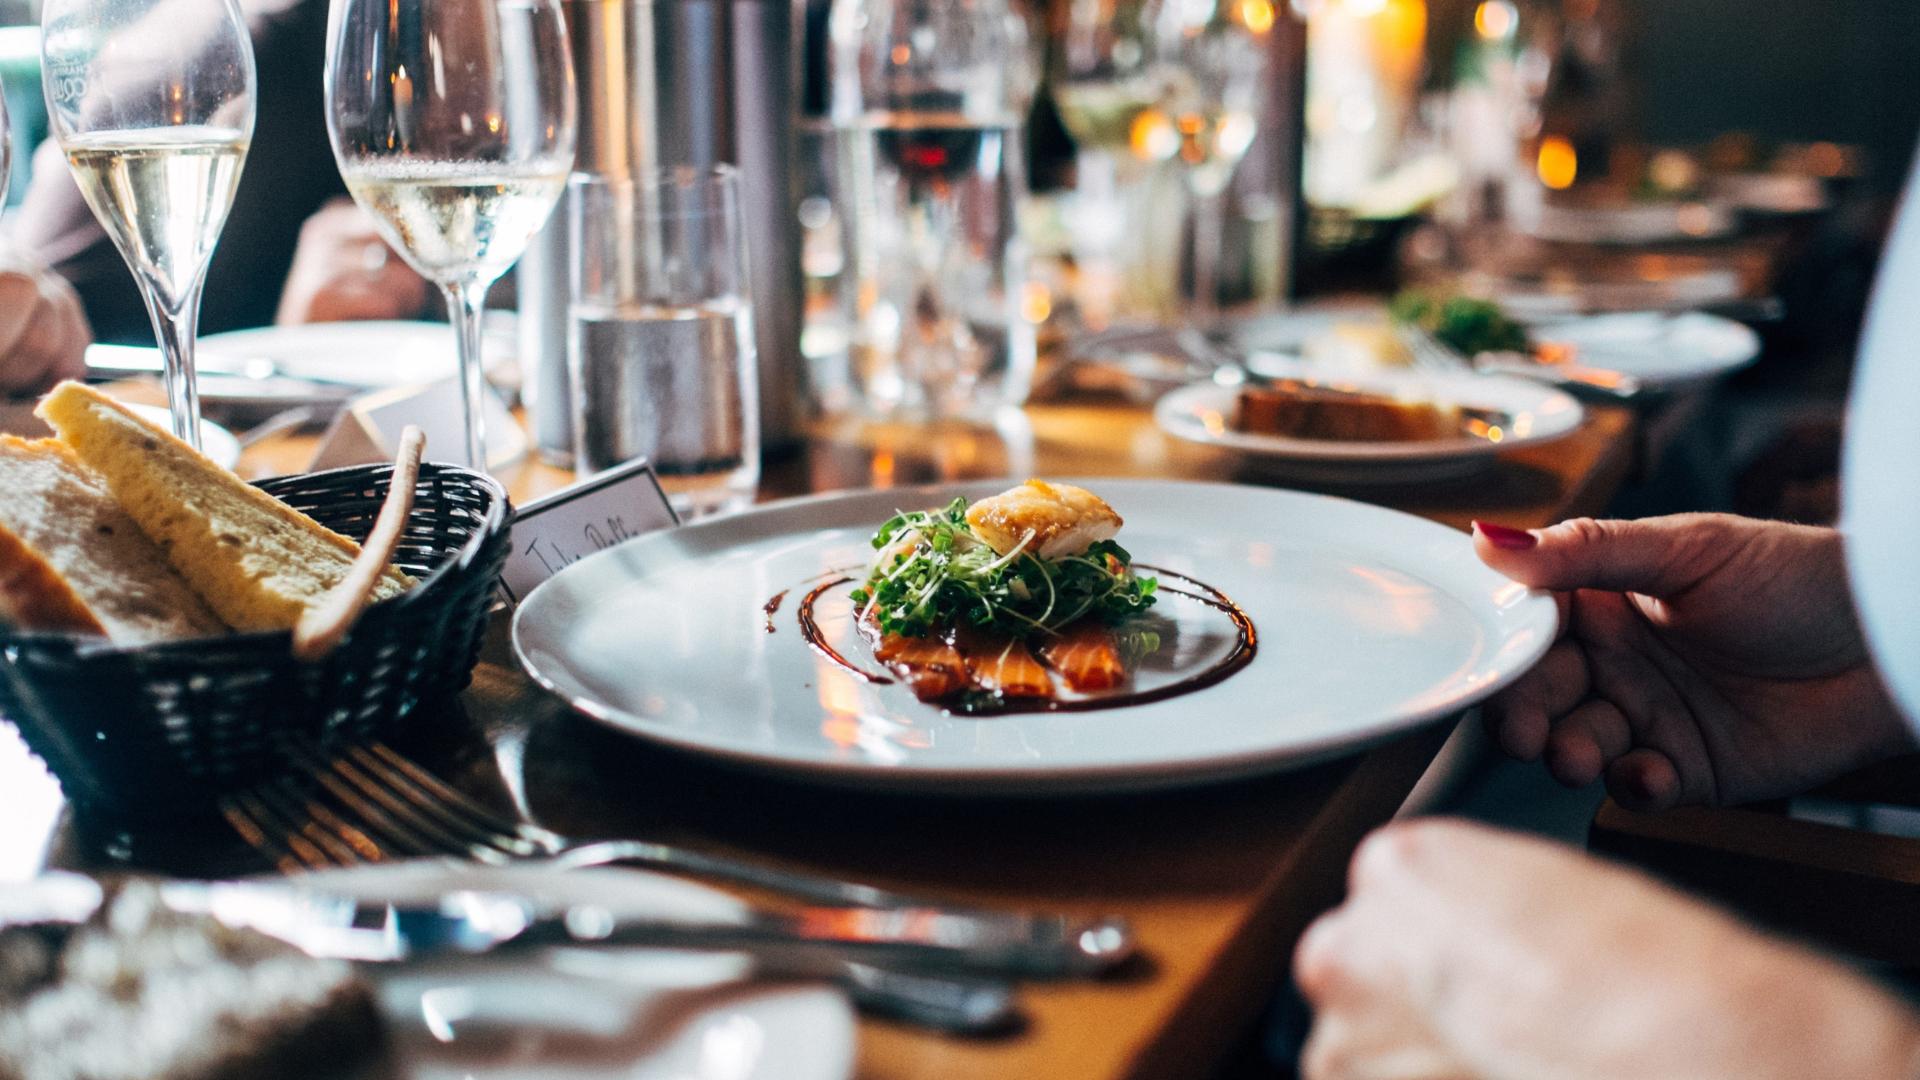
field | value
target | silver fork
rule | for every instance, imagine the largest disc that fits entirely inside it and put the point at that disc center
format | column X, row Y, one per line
column 386, row 804
column 1430, row 356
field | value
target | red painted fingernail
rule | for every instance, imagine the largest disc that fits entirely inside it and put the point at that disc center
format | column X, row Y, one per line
column 1504, row 538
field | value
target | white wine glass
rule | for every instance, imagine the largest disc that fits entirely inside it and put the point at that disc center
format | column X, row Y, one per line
column 152, row 102
column 1214, row 54
column 453, row 123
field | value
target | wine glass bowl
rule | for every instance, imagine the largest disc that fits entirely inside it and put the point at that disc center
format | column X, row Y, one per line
column 1214, row 53
column 152, row 102
column 453, row 125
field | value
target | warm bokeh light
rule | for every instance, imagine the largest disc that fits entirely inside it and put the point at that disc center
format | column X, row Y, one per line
column 1036, row 302
column 1153, row 137
column 1559, row 165
column 901, row 54
column 1496, row 20
column 1258, row 15
column 1365, row 8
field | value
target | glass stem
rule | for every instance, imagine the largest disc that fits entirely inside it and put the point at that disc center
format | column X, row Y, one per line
column 1209, row 234
column 176, row 330
column 466, row 304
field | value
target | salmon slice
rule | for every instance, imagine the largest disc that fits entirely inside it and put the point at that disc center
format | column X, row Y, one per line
column 1086, row 656
column 931, row 668
column 1003, row 665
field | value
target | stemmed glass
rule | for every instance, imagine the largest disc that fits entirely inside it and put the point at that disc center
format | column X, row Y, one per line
column 453, row 123
column 152, row 101
column 1215, row 55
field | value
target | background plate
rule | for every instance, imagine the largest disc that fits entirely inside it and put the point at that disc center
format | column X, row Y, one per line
column 1203, row 413
column 1370, row 623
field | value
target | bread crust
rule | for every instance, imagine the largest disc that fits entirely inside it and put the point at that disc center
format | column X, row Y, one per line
column 35, row 596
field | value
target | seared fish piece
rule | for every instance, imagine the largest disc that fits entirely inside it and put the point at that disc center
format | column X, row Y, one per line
column 1062, row 519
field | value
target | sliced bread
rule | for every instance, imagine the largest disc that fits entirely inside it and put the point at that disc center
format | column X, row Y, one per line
column 256, row 561
column 71, row 559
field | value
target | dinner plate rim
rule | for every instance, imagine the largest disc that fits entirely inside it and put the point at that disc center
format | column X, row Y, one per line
column 1173, row 411
column 1002, row 780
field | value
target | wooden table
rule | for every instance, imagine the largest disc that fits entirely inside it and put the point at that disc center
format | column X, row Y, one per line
column 1218, row 881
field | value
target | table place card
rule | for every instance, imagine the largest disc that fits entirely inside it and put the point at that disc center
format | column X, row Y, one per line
column 576, row 521
column 368, row 430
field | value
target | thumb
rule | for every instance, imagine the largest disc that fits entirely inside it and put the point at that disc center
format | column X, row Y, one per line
column 1657, row 557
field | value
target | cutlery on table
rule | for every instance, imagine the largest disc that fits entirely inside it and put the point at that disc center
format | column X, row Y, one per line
column 379, row 805
column 474, row 922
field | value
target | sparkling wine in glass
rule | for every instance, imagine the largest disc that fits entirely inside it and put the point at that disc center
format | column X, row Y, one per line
column 152, row 102
column 453, row 123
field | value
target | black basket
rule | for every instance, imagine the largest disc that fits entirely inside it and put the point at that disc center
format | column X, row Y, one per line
column 167, row 728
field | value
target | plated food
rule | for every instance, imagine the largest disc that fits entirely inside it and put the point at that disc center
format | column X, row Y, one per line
column 1377, row 427
column 986, row 604
column 117, row 528
column 1369, row 621
column 1305, row 409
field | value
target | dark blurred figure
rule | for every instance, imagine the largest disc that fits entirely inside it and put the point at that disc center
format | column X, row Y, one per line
column 290, row 176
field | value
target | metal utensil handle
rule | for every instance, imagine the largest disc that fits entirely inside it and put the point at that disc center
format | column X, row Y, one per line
column 921, row 938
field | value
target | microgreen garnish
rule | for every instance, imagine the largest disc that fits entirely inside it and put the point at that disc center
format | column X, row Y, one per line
column 934, row 573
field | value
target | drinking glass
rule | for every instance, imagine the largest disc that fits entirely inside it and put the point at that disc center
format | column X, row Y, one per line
column 152, row 101
column 660, row 345
column 6, row 150
column 927, row 100
column 1214, row 52
column 453, row 123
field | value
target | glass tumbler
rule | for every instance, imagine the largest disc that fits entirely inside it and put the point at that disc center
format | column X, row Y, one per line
column 927, row 100
column 660, row 339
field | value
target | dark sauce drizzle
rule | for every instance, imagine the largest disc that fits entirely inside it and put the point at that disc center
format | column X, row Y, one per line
column 1236, row 658
column 810, row 632
column 772, row 607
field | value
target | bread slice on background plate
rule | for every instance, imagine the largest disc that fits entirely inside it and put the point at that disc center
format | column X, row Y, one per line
column 72, row 560
column 256, row 561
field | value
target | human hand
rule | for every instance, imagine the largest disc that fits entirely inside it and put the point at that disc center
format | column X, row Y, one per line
column 1703, row 659
column 343, row 270
column 1462, row 952
column 43, row 328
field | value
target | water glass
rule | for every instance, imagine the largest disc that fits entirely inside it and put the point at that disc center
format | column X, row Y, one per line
column 660, row 342
column 927, row 101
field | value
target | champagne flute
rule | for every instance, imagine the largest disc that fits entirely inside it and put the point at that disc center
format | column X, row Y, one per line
column 1215, row 54
column 152, row 102
column 453, row 123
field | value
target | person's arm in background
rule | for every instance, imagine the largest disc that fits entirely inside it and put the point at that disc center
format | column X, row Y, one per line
column 344, row 270
column 289, row 175
column 43, row 330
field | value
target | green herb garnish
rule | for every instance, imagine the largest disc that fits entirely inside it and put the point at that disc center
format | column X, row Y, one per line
column 1461, row 323
column 942, row 575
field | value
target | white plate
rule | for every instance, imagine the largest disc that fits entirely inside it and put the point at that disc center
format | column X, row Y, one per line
column 603, row 1014
column 215, row 441
column 1661, row 350
column 1203, row 413
column 370, row 354
column 1370, row 622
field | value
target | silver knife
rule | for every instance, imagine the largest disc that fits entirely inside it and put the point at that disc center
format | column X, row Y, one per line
column 470, row 923
column 477, row 922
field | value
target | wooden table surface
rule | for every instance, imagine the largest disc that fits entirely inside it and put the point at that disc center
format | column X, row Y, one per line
column 1218, row 881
